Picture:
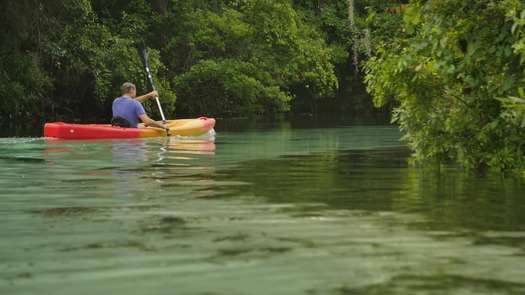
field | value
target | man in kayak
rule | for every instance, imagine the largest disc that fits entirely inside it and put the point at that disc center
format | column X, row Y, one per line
column 129, row 107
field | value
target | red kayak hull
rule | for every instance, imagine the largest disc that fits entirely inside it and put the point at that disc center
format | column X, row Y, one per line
column 180, row 127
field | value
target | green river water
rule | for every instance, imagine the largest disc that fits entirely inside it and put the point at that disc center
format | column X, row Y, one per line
column 275, row 207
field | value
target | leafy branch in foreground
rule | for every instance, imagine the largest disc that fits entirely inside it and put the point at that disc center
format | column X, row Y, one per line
column 448, row 74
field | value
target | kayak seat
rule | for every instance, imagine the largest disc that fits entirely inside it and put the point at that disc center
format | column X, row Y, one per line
column 120, row 122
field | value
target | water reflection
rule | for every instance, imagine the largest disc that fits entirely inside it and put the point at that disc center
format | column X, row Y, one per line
column 446, row 231
column 455, row 199
column 129, row 151
column 275, row 210
column 126, row 167
column 381, row 180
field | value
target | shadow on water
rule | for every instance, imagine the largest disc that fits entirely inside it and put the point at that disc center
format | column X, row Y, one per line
column 298, row 122
column 381, row 180
column 437, row 284
column 21, row 129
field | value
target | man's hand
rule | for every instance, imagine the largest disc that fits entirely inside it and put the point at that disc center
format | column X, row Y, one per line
column 153, row 94
column 152, row 123
column 159, row 125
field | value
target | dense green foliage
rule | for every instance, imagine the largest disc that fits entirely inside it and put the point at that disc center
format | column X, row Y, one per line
column 456, row 70
column 67, row 59
column 244, row 58
column 59, row 60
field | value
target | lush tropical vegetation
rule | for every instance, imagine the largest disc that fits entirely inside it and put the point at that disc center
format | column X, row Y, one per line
column 452, row 72
column 456, row 71
column 66, row 58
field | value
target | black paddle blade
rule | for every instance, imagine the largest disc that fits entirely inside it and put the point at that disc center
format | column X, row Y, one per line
column 143, row 53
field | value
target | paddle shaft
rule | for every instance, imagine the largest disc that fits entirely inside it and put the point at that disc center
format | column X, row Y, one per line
column 143, row 52
column 156, row 97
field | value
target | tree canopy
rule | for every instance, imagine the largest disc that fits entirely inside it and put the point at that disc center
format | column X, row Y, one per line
column 66, row 59
column 456, row 71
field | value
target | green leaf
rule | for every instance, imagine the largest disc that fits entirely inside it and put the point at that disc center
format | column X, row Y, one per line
column 521, row 92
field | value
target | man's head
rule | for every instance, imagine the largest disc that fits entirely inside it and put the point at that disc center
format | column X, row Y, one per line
column 128, row 89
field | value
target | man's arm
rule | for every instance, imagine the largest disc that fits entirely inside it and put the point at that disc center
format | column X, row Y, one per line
column 150, row 122
column 143, row 98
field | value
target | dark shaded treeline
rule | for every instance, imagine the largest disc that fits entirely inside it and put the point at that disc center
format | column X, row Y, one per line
column 65, row 59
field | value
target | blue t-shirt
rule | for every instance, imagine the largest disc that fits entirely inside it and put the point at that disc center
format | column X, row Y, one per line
column 128, row 108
